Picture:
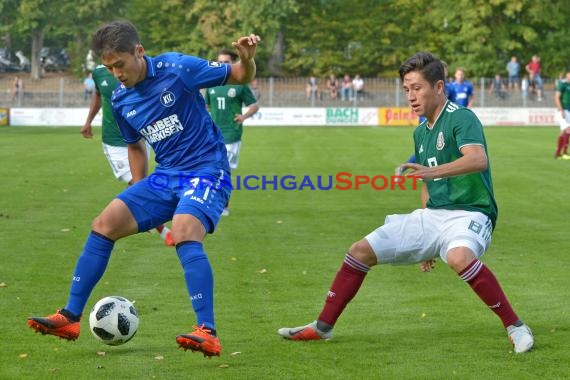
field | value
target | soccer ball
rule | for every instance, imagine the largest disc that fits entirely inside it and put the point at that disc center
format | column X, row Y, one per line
column 114, row 320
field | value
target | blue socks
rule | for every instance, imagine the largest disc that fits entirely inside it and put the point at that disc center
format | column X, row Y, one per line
column 88, row 271
column 199, row 281
column 198, row 274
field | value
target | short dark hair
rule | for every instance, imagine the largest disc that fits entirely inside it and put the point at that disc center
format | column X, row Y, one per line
column 428, row 65
column 117, row 36
column 233, row 55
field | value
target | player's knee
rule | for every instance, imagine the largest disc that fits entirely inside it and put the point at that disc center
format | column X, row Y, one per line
column 459, row 258
column 362, row 251
column 98, row 225
column 187, row 227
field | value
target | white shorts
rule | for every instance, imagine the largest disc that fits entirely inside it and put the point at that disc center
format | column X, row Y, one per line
column 233, row 153
column 427, row 233
column 118, row 158
column 564, row 122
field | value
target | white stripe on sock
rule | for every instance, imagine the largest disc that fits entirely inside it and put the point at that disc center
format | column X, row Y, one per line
column 472, row 272
column 354, row 263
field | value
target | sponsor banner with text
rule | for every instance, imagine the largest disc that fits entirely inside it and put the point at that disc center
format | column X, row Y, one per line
column 51, row 117
column 308, row 116
column 4, row 112
column 397, row 116
column 516, row 116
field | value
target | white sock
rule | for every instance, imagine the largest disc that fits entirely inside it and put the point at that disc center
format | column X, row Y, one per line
column 164, row 232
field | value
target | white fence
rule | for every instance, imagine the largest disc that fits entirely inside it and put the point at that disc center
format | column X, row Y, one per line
column 67, row 92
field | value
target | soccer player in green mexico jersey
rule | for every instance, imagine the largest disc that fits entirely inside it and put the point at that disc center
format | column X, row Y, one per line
column 562, row 101
column 225, row 105
column 457, row 219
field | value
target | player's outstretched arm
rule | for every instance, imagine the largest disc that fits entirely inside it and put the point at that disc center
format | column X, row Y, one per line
column 474, row 159
column 243, row 71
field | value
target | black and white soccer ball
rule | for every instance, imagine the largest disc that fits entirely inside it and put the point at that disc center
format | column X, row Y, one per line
column 114, row 320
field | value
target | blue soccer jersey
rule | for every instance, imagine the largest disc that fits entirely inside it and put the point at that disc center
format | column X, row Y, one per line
column 168, row 111
column 460, row 92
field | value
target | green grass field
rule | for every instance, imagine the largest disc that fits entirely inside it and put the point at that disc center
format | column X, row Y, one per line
column 274, row 259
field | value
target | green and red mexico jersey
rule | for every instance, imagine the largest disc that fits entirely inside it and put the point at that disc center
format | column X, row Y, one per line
column 563, row 88
column 225, row 102
column 106, row 83
column 455, row 128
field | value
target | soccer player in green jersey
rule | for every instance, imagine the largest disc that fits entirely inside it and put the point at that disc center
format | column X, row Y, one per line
column 114, row 148
column 225, row 105
column 562, row 101
column 457, row 219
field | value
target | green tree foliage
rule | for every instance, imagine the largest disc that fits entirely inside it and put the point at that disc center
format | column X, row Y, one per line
column 87, row 15
column 202, row 27
column 302, row 37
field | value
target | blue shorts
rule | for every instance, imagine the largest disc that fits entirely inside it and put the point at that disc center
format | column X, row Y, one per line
column 156, row 199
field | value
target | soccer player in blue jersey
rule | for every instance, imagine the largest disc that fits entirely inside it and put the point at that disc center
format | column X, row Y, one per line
column 225, row 105
column 456, row 221
column 114, row 147
column 159, row 101
column 462, row 89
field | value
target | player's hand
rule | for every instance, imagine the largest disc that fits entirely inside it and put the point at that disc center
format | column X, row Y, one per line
column 87, row 131
column 239, row 119
column 427, row 265
column 423, row 172
column 246, row 46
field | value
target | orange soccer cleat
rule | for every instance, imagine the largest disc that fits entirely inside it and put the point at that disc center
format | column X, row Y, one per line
column 61, row 324
column 201, row 339
column 168, row 240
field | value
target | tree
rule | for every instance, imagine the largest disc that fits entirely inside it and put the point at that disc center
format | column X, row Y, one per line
column 302, row 37
column 202, row 27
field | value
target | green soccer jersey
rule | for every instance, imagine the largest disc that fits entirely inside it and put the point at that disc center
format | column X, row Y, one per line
column 225, row 102
column 105, row 83
column 564, row 88
column 455, row 127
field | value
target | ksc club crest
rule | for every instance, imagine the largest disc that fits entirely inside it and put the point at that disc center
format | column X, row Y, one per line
column 167, row 99
column 440, row 141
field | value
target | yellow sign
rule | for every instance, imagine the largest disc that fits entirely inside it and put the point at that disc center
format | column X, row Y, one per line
column 4, row 112
column 403, row 116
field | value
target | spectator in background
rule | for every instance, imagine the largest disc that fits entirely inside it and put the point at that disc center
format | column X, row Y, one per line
column 513, row 69
column 463, row 89
column 17, row 88
column 312, row 88
column 88, row 86
column 332, row 86
column 497, row 87
column 533, row 69
column 358, row 86
column 346, row 92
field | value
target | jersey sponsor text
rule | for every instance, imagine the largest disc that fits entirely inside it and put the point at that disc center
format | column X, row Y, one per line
column 162, row 129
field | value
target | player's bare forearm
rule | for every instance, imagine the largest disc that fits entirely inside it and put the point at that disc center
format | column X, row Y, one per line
column 474, row 159
column 138, row 160
column 251, row 110
column 94, row 107
column 244, row 70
